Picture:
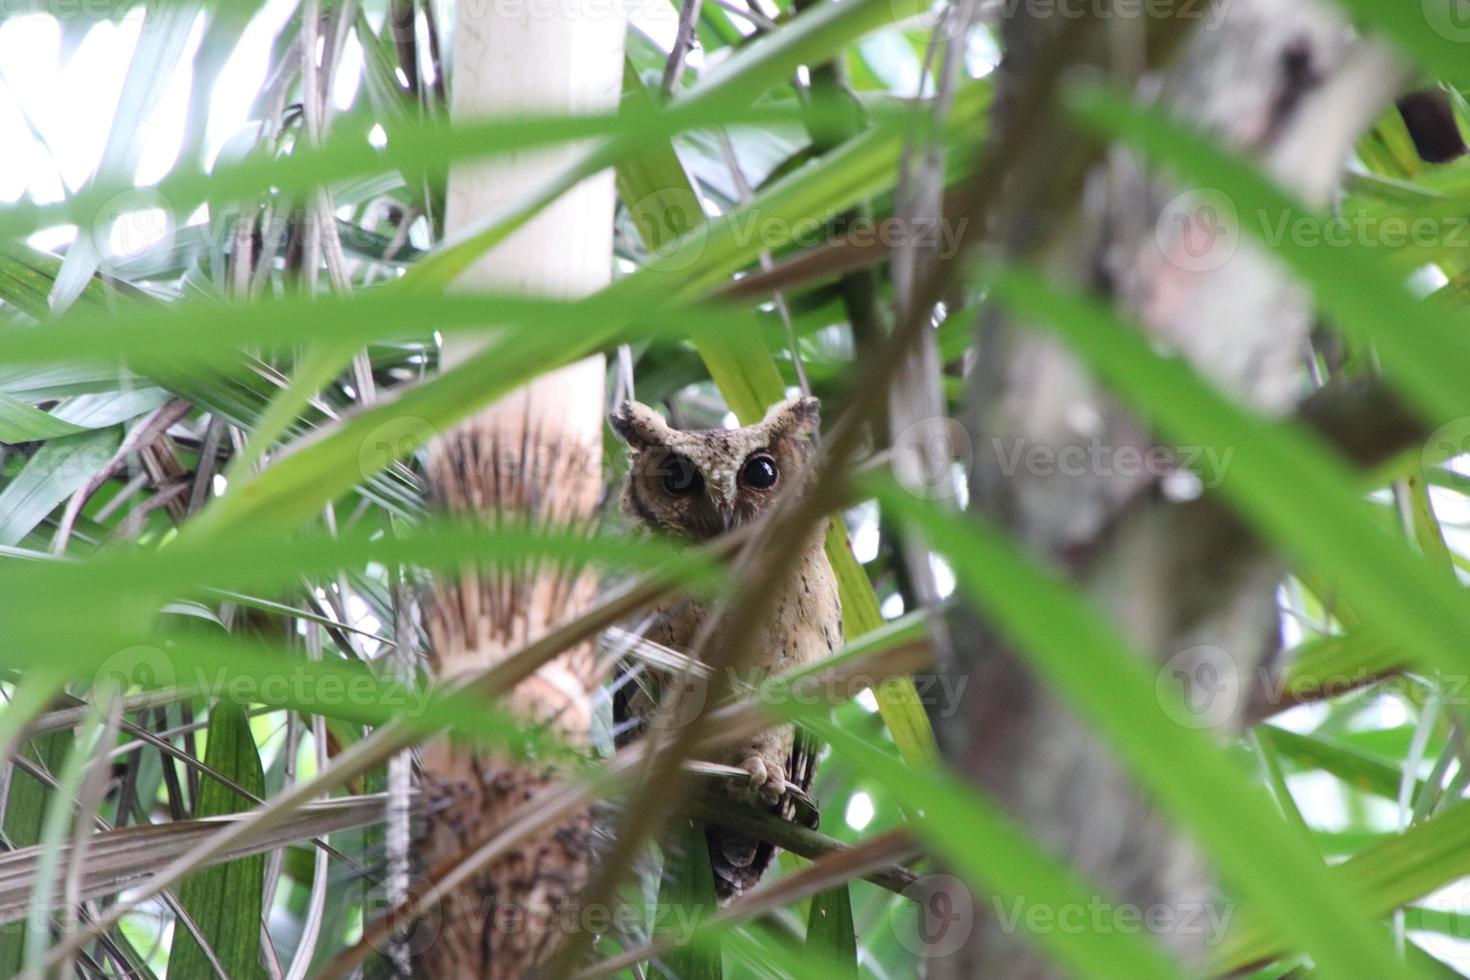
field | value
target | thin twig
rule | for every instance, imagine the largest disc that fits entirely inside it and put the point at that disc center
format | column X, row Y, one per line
column 743, row 190
column 142, row 435
column 752, row 15
column 316, row 908
column 89, row 798
column 683, row 41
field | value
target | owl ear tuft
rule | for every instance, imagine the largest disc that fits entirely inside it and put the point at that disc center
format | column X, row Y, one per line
column 799, row 416
column 639, row 426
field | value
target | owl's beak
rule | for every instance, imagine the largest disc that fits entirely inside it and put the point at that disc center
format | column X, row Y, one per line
column 724, row 509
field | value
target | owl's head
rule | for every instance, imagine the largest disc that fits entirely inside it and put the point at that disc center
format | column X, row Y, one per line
column 702, row 483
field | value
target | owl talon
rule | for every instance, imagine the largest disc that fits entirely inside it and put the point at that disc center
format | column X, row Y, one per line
column 767, row 782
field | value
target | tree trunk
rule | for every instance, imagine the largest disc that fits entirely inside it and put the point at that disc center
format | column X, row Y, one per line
column 1286, row 83
column 534, row 455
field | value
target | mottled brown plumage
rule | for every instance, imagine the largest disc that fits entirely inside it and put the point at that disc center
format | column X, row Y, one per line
column 698, row 485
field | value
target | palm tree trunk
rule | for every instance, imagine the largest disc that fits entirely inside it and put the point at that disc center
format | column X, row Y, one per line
column 534, row 455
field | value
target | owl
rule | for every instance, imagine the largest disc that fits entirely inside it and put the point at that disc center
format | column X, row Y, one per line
column 697, row 485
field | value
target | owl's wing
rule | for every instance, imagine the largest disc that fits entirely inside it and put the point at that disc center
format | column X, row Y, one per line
column 801, row 766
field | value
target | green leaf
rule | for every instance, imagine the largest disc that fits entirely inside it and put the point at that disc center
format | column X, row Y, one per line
column 831, row 938
column 898, row 700
column 262, row 561
column 1338, row 663
column 110, row 408
column 25, row 804
column 1360, row 770
column 1394, row 870
column 652, row 184
column 32, row 384
column 20, row 422
column 57, row 470
column 27, row 276
column 685, row 899
column 225, row 900
column 193, row 334
column 122, row 589
column 794, row 205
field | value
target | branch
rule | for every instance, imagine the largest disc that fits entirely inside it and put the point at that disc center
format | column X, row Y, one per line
column 833, row 869
column 713, row 806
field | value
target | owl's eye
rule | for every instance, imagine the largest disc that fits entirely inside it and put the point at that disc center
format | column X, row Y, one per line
column 681, row 478
column 759, row 472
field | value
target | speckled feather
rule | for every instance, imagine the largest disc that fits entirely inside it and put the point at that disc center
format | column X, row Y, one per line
column 806, row 624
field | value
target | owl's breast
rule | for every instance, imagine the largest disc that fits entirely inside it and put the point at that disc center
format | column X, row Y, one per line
column 805, row 625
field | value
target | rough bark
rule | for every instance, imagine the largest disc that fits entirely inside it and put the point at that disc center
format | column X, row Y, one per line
column 535, row 455
column 1286, row 83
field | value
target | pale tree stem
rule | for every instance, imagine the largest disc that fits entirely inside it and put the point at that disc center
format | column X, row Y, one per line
column 537, row 454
